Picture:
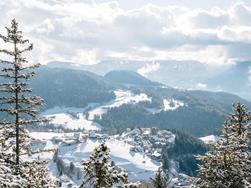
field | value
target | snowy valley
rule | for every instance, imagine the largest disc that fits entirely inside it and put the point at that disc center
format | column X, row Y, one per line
column 76, row 134
column 135, row 146
column 146, row 94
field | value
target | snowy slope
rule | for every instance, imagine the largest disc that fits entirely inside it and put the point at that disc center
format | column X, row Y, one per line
column 172, row 104
column 122, row 97
column 67, row 121
column 209, row 139
column 82, row 118
column 71, row 118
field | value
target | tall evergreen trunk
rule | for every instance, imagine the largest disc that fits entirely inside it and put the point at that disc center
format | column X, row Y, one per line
column 16, row 104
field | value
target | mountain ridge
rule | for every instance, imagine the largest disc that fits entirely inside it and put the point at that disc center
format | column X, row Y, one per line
column 200, row 113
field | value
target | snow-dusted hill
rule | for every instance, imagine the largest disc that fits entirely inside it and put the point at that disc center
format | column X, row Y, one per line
column 70, row 118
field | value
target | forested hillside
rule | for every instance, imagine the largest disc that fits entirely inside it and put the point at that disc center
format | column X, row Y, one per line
column 71, row 88
column 199, row 113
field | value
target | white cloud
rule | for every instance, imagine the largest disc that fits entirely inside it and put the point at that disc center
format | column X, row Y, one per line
column 201, row 86
column 45, row 28
column 148, row 68
column 236, row 34
column 90, row 31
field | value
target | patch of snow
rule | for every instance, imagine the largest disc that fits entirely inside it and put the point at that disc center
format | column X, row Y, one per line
column 71, row 118
column 153, row 110
column 172, row 104
column 156, row 154
column 209, row 139
column 48, row 135
column 73, row 123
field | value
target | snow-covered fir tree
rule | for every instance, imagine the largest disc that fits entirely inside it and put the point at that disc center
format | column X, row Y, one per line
column 227, row 164
column 8, row 178
column 36, row 173
column 99, row 172
column 159, row 181
column 19, row 108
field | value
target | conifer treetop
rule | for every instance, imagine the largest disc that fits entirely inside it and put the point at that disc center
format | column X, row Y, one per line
column 228, row 164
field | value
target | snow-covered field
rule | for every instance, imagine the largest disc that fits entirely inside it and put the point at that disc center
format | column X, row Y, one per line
column 73, row 123
column 122, row 97
column 71, row 118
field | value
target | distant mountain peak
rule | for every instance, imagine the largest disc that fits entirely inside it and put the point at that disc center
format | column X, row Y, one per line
column 127, row 77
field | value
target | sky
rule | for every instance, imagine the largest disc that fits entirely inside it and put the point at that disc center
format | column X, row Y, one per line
column 215, row 32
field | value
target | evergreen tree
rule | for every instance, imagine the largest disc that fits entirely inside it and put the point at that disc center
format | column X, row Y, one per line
column 98, row 171
column 159, row 181
column 19, row 108
column 227, row 164
column 8, row 178
column 37, row 174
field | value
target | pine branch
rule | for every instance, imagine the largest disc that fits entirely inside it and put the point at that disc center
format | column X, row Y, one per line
column 29, row 48
column 9, row 87
column 7, row 52
column 6, row 62
column 10, row 69
column 31, row 100
column 26, row 75
column 24, row 41
column 38, row 152
column 22, row 60
column 6, row 124
column 29, row 111
column 5, row 39
column 31, row 66
column 34, row 121
column 13, row 89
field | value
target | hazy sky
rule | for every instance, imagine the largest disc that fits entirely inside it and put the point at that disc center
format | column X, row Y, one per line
column 215, row 32
column 205, row 4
